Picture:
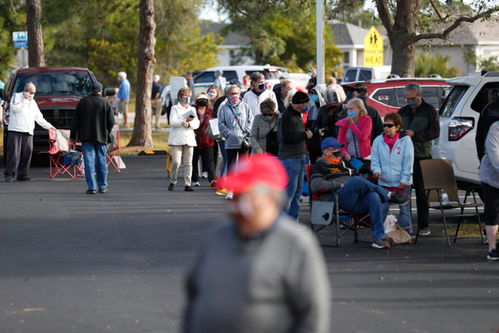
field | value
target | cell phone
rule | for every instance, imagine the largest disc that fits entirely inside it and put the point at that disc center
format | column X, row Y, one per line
column 191, row 116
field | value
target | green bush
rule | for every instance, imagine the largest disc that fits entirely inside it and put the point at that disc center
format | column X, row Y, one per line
column 427, row 64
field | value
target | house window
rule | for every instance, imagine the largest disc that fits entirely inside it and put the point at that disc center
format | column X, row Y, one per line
column 346, row 58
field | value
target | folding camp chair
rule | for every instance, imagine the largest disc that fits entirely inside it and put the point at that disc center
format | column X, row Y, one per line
column 327, row 213
column 113, row 150
column 59, row 146
column 438, row 177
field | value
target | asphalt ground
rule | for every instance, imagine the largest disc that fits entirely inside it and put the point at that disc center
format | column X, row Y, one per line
column 115, row 262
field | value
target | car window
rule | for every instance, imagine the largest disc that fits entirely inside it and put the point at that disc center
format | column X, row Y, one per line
column 56, row 83
column 486, row 95
column 205, row 77
column 386, row 96
column 230, row 75
column 365, row 75
column 350, row 75
column 452, row 100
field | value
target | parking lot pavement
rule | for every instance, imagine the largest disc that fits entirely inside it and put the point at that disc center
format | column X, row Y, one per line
column 72, row 262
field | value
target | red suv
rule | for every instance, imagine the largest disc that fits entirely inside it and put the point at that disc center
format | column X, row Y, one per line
column 58, row 90
column 389, row 95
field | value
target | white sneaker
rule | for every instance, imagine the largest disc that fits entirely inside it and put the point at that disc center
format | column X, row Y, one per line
column 196, row 184
column 229, row 196
column 204, row 174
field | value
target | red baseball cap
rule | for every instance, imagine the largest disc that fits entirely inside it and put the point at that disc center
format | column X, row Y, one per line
column 257, row 169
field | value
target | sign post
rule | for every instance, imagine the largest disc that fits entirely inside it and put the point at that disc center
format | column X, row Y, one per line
column 20, row 39
column 373, row 49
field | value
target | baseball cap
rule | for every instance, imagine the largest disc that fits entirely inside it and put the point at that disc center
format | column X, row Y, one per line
column 202, row 96
column 331, row 143
column 257, row 169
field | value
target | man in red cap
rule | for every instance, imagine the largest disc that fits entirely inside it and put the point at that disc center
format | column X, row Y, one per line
column 262, row 272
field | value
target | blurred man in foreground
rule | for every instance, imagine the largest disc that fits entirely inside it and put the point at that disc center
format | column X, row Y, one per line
column 262, row 272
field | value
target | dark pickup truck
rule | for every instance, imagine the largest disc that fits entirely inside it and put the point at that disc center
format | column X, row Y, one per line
column 58, row 90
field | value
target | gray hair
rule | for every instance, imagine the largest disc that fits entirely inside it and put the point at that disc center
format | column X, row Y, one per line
column 29, row 83
column 122, row 75
column 255, row 76
column 155, row 77
column 232, row 86
column 414, row 87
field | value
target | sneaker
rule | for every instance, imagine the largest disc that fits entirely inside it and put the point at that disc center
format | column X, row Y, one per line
column 213, row 183
column 196, row 184
column 381, row 244
column 188, row 189
column 91, row 191
column 493, row 255
column 204, row 174
column 23, row 179
column 229, row 196
column 9, row 180
column 424, row 232
column 398, row 198
column 171, row 187
column 103, row 190
column 221, row 192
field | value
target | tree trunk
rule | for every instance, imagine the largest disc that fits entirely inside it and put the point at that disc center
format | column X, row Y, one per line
column 403, row 62
column 142, row 133
column 35, row 36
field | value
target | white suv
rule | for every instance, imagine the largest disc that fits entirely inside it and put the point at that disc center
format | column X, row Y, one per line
column 458, row 120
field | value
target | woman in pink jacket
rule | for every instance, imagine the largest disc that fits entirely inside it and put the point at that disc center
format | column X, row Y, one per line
column 355, row 130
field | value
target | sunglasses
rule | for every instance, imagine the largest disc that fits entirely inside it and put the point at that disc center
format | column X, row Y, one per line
column 388, row 125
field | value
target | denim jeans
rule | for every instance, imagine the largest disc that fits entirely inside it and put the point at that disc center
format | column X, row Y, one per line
column 361, row 196
column 94, row 155
column 405, row 218
column 295, row 168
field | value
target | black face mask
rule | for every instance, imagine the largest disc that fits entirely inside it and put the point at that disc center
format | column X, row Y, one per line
column 202, row 103
column 337, row 153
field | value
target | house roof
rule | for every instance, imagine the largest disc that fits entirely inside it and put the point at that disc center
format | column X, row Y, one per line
column 474, row 33
column 230, row 37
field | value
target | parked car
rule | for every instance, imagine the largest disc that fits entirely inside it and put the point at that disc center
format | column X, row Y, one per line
column 388, row 95
column 206, row 78
column 58, row 90
column 354, row 74
column 458, row 119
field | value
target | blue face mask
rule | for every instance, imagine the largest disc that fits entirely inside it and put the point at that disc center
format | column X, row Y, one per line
column 352, row 114
column 314, row 98
column 305, row 109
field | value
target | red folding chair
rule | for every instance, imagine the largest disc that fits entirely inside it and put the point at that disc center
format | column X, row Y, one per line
column 113, row 150
column 59, row 146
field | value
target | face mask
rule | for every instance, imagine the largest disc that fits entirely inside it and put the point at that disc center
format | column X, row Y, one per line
column 352, row 114
column 337, row 153
column 261, row 86
column 314, row 98
column 305, row 110
column 289, row 93
column 212, row 95
column 413, row 104
column 234, row 99
column 185, row 100
column 202, row 103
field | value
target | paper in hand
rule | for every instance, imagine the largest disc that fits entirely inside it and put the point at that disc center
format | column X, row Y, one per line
column 214, row 127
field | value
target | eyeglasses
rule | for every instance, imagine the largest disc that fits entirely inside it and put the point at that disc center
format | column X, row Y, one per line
column 388, row 125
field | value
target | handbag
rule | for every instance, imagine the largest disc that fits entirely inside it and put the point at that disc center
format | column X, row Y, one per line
column 272, row 145
column 399, row 236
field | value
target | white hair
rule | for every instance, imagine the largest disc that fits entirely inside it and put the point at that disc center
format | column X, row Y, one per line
column 155, row 77
column 122, row 75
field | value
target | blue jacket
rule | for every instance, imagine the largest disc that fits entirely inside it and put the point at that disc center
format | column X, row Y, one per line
column 395, row 166
column 124, row 90
column 228, row 117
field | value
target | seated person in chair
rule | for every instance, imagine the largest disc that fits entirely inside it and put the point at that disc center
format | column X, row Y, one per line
column 334, row 175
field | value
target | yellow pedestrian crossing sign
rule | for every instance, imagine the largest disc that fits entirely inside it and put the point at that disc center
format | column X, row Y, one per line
column 373, row 48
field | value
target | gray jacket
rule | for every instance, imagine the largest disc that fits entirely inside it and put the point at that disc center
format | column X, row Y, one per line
column 229, row 118
column 489, row 167
column 274, row 282
column 261, row 127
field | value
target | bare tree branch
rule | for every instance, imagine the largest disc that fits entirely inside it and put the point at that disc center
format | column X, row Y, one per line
column 453, row 26
column 385, row 15
column 443, row 19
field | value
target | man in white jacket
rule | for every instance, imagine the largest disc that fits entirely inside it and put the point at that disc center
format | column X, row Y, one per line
column 258, row 93
column 24, row 112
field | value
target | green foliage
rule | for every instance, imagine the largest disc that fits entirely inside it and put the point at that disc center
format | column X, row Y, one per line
column 281, row 32
column 12, row 18
column 489, row 64
column 427, row 64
